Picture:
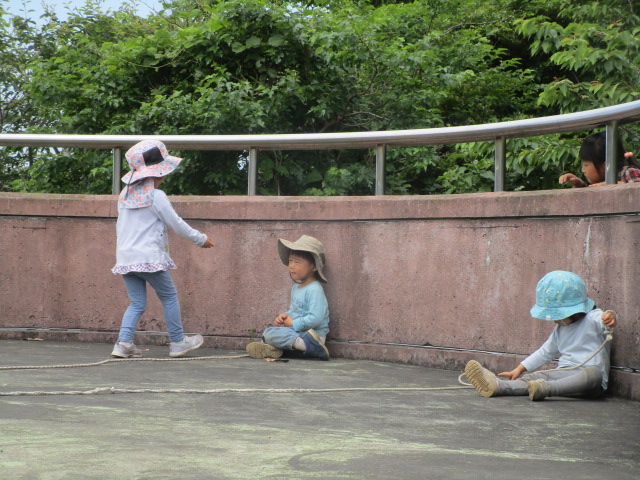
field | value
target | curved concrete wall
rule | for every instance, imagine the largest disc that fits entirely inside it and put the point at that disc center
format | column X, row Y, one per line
column 440, row 275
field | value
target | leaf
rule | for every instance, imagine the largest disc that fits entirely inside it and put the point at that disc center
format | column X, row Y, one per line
column 252, row 42
column 276, row 40
column 237, row 47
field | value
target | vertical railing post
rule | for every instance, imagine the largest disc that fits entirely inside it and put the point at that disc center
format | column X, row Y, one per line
column 500, row 164
column 117, row 171
column 611, row 162
column 381, row 168
column 252, row 188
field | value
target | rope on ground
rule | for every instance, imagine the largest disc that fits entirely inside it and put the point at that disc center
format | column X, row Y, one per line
column 117, row 360
column 100, row 390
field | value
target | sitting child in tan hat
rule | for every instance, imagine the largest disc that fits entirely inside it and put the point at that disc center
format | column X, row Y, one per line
column 305, row 325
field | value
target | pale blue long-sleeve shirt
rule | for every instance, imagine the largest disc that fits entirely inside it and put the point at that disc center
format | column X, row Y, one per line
column 574, row 344
column 309, row 308
column 142, row 235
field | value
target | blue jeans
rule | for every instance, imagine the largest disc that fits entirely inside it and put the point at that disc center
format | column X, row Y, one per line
column 162, row 283
column 282, row 337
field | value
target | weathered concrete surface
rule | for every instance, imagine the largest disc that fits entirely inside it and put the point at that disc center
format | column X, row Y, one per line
column 449, row 271
column 401, row 434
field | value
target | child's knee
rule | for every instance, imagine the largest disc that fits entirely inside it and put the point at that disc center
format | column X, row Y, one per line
column 593, row 376
column 139, row 305
column 268, row 334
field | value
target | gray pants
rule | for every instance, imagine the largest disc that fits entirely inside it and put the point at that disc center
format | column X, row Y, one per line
column 584, row 381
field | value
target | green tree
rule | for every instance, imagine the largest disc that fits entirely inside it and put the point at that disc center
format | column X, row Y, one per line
column 41, row 105
column 19, row 44
column 268, row 66
column 586, row 55
column 595, row 47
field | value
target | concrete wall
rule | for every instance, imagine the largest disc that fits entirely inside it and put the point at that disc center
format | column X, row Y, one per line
column 454, row 271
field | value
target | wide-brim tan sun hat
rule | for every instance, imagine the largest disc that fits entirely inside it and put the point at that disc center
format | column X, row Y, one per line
column 305, row 244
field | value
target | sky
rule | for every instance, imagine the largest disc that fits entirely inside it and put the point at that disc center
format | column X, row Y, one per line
column 16, row 6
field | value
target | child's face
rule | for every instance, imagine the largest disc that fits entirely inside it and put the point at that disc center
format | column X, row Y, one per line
column 592, row 173
column 301, row 270
column 565, row 322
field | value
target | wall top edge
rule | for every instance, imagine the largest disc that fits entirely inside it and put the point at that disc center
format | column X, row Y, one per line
column 604, row 200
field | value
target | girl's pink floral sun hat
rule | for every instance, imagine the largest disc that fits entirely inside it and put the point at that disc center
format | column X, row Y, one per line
column 149, row 158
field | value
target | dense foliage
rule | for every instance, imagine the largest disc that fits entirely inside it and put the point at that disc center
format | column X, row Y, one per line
column 269, row 66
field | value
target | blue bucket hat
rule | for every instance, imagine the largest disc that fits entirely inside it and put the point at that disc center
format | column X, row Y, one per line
column 559, row 295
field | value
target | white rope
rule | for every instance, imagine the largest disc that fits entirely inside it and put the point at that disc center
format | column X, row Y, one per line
column 112, row 390
column 117, row 360
column 100, row 390
column 608, row 338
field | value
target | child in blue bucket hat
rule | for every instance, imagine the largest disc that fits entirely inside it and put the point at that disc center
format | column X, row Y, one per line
column 580, row 340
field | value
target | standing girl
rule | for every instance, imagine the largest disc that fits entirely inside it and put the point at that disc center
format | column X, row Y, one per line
column 142, row 252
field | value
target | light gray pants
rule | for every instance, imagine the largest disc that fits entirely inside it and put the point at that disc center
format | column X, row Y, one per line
column 583, row 381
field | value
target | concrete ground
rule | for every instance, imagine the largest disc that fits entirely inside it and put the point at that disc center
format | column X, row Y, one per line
column 395, row 434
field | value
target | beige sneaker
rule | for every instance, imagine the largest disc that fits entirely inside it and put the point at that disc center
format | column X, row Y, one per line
column 263, row 350
column 484, row 381
column 538, row 389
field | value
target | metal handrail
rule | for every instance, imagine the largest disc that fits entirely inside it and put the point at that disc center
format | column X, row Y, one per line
column 498, row 132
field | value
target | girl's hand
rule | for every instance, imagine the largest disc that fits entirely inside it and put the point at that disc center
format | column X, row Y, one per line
column 609, row 318
column 208, row 243
column 596, row 184
column 515, row 373
column 572, row 179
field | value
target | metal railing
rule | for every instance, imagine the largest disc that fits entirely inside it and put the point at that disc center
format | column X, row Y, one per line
column 497, row 132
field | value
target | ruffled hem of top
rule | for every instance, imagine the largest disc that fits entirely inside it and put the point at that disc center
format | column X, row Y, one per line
column 144, row 267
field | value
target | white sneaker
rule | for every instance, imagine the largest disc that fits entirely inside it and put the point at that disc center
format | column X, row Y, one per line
column 126, row 350
column 186, row 345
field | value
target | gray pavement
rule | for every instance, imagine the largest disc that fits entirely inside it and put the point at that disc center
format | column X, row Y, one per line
column 396, row 434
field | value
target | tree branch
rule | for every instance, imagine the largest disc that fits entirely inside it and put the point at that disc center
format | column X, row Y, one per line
column 464, row 24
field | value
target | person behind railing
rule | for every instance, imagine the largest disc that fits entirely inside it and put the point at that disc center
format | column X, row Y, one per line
column 142, row 251
column 580, row 338
column 305, row 325
column 593, row 157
